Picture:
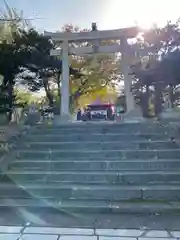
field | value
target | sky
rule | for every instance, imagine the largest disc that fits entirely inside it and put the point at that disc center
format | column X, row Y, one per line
column 108, row 14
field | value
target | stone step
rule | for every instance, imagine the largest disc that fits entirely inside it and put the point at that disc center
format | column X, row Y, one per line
column 105, row 124
column 108, row 145
column 106, row 166
column 95, row 137
column 98, row 154
column 102, row 130
column 101, row 124
column 94, row 206
column 93, row 177
column 90, row 192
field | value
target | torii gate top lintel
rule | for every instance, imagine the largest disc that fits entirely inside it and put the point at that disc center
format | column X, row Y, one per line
column 94, row 35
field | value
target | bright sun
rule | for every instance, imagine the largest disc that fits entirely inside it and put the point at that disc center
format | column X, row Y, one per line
column 126, row 13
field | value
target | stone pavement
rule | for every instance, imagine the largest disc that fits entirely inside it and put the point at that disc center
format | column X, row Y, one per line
column 51, row 233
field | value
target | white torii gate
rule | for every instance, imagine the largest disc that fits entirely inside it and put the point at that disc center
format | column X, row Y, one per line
column 127, row 54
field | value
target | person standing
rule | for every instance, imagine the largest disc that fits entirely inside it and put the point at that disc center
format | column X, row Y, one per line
column 79, row 115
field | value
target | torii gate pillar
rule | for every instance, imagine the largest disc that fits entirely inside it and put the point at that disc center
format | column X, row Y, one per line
column 125, row 63
column 130, row 103
column 65, row 115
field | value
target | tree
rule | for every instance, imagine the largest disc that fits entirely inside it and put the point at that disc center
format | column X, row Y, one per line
column 105, row 94
column 29, row 50
column 8, row 26
column 47, row 69
column 86, row 74
column 161, row 45
column 11, row 21
column 98, row 76
column 23, row 97
column 23, row 48
column 101, row 71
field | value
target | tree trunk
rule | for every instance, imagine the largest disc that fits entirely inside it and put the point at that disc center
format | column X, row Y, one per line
column 48, row 93
column 57, row 112
column 158, row 99
column 145, row 103
column 8, row 79
column 10, row 100
column 59, row 87
column 73, row 102
column 171, row 95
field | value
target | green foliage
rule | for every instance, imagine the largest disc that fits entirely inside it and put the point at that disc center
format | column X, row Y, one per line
column 27, row 49
column 98, row 71
column 160, row 68
column 23, row 97
column 31, row 51
column 159, row 43
column 13, row 23
column 4, row 100
column 3, row 103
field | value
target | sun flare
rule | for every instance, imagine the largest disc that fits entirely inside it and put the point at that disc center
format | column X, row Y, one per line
column 142, row 13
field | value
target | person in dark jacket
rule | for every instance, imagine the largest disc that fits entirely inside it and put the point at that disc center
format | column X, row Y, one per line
column 79, row 115
column 88, row 114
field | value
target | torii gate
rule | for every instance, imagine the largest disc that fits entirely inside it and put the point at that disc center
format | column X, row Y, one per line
column 127, row 54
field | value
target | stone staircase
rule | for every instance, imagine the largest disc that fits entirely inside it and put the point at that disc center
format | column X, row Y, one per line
column 94, row 167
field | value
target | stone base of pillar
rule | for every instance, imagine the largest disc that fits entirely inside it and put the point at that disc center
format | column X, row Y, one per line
column 59, row 119
column 135, row 115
